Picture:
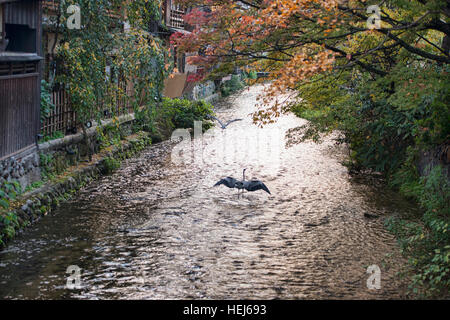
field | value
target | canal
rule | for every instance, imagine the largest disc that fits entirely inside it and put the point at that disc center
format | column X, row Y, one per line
column 157, row 229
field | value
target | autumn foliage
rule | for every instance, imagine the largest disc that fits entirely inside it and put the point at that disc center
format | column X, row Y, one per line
column 297, row 40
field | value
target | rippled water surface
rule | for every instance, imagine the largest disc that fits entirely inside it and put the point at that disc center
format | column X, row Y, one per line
column 156, row 229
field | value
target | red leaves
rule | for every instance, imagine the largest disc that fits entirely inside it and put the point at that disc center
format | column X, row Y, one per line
column 197, row 17
column 195, row 77
column 176, row 37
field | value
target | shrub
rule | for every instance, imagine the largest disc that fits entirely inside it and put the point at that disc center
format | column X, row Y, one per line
column 111, row 165
column 181, row 113
column 426, row 242
column 9, row 192
column 47, row 105
column 252, row 75
column 8, row 220
column 54, row 135
column 231, row 86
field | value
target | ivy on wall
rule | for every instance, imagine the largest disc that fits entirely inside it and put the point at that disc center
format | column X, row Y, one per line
column 107, row 50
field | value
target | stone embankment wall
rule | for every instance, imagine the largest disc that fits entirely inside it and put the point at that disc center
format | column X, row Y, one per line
column 204, row 91
column 27, row 167
column 22, row 167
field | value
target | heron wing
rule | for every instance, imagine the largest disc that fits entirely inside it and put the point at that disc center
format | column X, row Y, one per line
column 214, row 118
column 232, row 121
column 255, row 185
column 228, row 181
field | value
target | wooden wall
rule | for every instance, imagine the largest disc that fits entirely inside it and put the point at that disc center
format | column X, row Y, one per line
column 20, row 90
column 19, row 112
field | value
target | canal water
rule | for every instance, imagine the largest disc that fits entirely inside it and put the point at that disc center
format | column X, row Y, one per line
column 158, row 229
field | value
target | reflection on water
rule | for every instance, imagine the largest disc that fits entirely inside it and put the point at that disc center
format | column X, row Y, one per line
column 157, row 230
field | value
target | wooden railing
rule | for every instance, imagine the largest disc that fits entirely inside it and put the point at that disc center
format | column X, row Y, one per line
column 64, row 119
column 176, row 14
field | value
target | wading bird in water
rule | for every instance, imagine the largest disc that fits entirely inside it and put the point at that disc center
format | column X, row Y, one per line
column 252, row 185
column 223, row 126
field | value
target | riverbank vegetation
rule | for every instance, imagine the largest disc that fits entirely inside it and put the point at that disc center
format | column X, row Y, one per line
column 231, row 86
column 378, row 73
column 170, row 114
column 405, row 139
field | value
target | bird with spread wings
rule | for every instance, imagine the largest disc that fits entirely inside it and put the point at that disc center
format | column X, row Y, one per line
column 222, row 124
column 252, row 185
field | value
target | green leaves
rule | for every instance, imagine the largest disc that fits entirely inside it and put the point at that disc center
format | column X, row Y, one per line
column 182, row 112
column 8, row 220
column 107, row 68
column 4, row 203
column 47, row 105
column 8, row 192
column 425, row 242
column 111, row 165
column 390, row 123
column 231, row 86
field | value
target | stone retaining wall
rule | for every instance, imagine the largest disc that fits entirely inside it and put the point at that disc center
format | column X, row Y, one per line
column 204, row 91
column 22, row 167
column 26, row 167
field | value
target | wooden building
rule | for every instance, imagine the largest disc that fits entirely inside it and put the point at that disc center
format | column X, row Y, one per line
column 20, row 66
column 173, row 16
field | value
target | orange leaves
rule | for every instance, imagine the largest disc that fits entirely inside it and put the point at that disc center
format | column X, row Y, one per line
column 280, row 11
column 281, row 34
column 308, row 61
column 245, row 19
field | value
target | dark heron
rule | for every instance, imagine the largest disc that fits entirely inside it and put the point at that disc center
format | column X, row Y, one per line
column 252, row 185
column 222, row 125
